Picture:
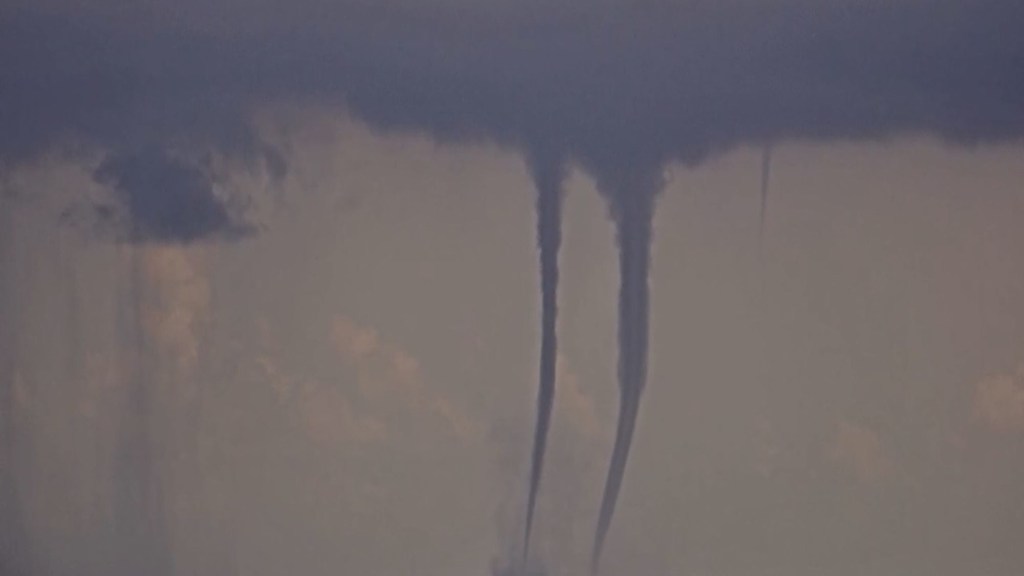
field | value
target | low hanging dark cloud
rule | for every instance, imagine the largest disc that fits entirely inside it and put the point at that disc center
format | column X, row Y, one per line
column 611, row 83
column 165, row 200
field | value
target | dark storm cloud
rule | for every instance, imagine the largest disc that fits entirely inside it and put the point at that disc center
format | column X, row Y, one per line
column 611, row 82
column 166, row 199
column 155, row 103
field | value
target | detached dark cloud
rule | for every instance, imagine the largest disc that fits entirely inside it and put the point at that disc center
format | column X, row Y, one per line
column 611, row 84
column 165, row 199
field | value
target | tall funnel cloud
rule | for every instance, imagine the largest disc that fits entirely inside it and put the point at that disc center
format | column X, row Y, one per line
column 548, row 175
column 633, row 209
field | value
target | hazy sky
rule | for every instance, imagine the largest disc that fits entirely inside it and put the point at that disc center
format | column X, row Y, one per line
column 352, row 389
column 257, row 319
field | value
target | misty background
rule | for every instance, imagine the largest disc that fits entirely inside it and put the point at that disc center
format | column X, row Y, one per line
column 351, row 390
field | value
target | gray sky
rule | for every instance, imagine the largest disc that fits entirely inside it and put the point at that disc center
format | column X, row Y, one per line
column 351, row 390
column 270, row 299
